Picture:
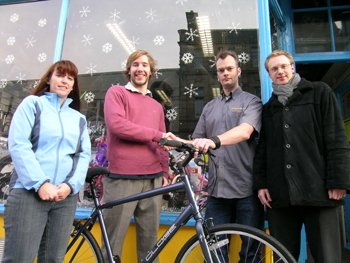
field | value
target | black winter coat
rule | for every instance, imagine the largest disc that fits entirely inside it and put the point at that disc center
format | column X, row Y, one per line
column 303, row 149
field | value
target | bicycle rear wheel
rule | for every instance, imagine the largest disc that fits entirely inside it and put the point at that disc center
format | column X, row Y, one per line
column 227, row 237
column 85, row 249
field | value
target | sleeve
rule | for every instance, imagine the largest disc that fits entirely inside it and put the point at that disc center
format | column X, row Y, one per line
column 337, row 152
column 260, row 164
column 81, row 160
column 119, row 125
column 26, row 165
column 252, row 114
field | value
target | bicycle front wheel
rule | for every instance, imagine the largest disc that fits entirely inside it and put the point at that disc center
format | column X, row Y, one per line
column 225, row 241
column 85, row 249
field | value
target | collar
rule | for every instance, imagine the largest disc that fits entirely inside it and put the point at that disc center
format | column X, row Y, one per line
column 232, row 95
column 131, row 88
column 56, row 100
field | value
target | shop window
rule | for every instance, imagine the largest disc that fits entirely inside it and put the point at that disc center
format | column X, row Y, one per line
column 341, row 29
column 321, row 26
column 183, row 37
column 311, row 32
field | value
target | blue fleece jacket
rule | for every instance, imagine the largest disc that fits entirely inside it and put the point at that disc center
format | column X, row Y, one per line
column 48, row 143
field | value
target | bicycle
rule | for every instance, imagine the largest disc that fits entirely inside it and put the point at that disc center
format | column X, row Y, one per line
column 205, row 246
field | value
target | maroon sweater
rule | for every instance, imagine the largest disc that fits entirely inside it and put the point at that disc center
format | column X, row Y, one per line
column 135, row 123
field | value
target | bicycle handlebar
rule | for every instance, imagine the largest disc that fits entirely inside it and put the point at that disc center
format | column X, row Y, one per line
column 171, row 143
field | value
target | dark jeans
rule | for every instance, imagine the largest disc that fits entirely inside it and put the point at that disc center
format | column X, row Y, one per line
column 245, row 211
column 321, row 226
column 33, row 226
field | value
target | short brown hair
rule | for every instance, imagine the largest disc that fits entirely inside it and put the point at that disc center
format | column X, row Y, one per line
column 136, row 54
column 277, row 53
column 63, row 67
column 224, row 54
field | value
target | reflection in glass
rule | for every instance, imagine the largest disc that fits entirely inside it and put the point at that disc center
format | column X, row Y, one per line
column 311, row 32
column 339, row 2
column 300, row 4
column 341, row 29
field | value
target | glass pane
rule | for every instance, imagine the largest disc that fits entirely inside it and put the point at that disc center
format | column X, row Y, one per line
column 311, row 32
column 27, row 39
column 100, row 36
column 183, row 36
column 341, row 29
column 339, row 2
column 300, row 4
column 274, row 39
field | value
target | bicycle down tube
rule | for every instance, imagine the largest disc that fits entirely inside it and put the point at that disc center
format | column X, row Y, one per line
column 191, row 210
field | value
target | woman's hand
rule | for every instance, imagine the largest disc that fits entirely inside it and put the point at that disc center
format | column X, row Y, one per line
column 48, row 192
column 63, row 190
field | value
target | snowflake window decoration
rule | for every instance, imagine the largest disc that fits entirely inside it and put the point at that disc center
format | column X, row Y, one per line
column 20, row 78
column 107, row 48
column 134, row 42
column 3, row 83
column 9, row 59
column 171, row 114
column 243, row 57
column 157, row 73
column 180, row 1
column 213, row 62
column 89, row 97
column 30, row 42
column 234, row 28
column 151, row 14
column 35, row 83
column 187, row 58
column 42, row 22
column 42, row 57
column 87, row 39
column 11, row 41
column 123, row 64
column 191, row 34
column 91, row 69
column 159, row 40
column 14, row 18
column 114, row 15
column 191, row 91
column 84, row 11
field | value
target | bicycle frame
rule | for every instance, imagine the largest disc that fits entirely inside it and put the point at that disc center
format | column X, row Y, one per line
column 191, row 210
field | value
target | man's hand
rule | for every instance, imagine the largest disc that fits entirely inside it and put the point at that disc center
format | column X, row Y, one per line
column 165, row 181
column 264, row 197
column 336, row 193
column 171, row 136
column 63, row 190
column 48, row 192
column 203, row 144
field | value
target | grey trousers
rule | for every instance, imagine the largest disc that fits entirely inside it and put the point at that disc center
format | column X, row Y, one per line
column 146, row 214
column 33, row 226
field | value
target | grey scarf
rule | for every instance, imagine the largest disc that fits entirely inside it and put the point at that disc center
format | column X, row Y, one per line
column 286, row 91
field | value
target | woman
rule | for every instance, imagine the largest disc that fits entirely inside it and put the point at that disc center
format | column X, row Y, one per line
column 50, row 148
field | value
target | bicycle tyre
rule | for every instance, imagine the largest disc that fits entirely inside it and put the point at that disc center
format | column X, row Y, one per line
column 89, row 252
column 191, row 251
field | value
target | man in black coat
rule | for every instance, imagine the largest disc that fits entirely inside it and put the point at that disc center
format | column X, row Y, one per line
column 302, row 165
